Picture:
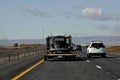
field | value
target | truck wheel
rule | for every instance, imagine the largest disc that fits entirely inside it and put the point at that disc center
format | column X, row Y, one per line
column 73, row 58
column 45, row 58
column 88, row 55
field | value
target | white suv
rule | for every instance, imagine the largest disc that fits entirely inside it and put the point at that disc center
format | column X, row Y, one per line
column 96, row 48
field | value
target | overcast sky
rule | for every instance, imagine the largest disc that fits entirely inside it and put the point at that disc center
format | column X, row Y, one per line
column 29, row 19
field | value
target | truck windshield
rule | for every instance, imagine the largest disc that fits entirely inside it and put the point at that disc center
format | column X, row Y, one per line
column 59, row 42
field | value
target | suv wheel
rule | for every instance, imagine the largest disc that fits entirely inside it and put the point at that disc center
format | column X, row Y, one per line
column 89, row 55
column 103, row 55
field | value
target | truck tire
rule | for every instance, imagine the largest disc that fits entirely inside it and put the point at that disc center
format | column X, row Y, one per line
column 89, row 55
column 73, row 58
column 45, row 58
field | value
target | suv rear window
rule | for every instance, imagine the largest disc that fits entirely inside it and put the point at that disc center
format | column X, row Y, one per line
column 97, row 45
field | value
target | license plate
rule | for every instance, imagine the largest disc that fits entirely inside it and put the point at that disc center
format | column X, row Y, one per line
column 59, row 51
column 59, row 56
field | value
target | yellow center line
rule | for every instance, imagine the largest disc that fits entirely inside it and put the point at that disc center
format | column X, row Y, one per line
column 29, row 69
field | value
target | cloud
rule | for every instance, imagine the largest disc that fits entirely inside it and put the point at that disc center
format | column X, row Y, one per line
column 92, row 13
column 37, row 12
column 97, row 14
column 82, row 12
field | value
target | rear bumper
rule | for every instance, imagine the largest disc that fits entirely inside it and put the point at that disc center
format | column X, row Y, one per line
column 97, row 51
column 64, row 55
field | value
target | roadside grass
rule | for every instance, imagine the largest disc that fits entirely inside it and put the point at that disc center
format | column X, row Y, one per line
column 113, row 47
column 113, row 50
column 19, row 47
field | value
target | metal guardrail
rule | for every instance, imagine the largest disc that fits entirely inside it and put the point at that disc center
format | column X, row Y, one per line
column 7, row 56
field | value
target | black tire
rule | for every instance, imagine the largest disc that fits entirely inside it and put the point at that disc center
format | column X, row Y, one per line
column 103, row 55
column 88, row 55
column 45, row 58
column 73, row 58
column 81, row 50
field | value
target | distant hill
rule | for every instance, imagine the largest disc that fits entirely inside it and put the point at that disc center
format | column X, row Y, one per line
column 77, row 40
column 20, row 41
column 114, row 41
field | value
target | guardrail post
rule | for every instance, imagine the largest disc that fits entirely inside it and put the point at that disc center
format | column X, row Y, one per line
column 9, row 58
column 24, row 54
column 14, row 56
column 18, row 56
column 29, row 53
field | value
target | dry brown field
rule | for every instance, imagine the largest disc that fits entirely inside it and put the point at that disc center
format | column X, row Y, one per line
column 113, row 50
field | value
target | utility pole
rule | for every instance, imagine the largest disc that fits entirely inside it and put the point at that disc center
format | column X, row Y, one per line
column 43, row 35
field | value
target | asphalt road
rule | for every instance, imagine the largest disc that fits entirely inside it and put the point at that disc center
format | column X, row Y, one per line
column 95, row 68
column 10, row 70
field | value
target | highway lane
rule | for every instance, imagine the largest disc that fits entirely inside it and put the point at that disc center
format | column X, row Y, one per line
column 12, row 69
column 95, row 68
column 110, row 64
